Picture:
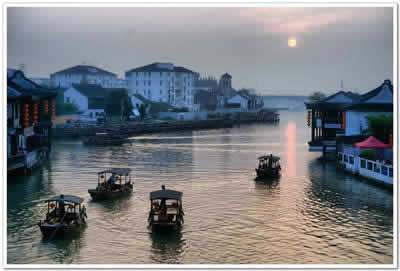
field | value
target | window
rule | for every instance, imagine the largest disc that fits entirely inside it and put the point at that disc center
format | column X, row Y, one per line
column 160, row 73
column 137, row 73
column 144, row 82
column 390, row 172
column 369, row 166
column 149, row 73
column 376, row 168
column 160, row 91
column 351, row 158
column 137, row 82
column 68, row 100
column 346, row 159
column 149, row 83
column 362, row 163
column 384, row 170
column 160, row 83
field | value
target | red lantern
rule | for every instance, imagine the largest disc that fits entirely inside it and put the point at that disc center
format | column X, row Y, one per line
column 26, row 105
column 102, row 176
column 52, row 205
column 53, row 118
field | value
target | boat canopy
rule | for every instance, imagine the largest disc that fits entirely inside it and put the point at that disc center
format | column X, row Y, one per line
column 166, row 194
column 118, row 171
column 272, row 157
column 70, row 198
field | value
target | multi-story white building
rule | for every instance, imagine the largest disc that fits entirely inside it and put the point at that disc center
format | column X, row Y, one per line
column 87, row 74
column 163, row 82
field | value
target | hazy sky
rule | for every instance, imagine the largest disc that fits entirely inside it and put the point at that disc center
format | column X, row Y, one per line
column 352, row 44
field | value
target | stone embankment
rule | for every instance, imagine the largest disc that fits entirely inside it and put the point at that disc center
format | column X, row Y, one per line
column 135, row 128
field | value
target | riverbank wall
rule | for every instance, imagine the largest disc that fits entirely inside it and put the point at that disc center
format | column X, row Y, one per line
column 144, row 128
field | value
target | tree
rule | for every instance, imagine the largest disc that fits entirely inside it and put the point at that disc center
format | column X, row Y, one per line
column 380, row 126
column 142, row 110
column 119, row 103
column 316, row 96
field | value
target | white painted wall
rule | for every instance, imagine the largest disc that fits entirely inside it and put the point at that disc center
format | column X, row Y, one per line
column 75, row 97
column 238, row 99
column 356, row 121
column 163, row 86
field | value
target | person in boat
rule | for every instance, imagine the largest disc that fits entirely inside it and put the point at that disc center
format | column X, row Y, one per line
column 61, row 206
column 111, row 181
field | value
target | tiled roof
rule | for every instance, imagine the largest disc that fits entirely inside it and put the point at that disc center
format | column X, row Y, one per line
column 357, row 100
column 17, row 81
column 155, row 67
column 226, row 75
column 84, row 69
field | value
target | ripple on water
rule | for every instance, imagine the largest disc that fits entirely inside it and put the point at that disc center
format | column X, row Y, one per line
column 313, row 213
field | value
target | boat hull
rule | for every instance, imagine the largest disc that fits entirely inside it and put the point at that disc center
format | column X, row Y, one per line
column 106, row 195
column 47, row 229
column 264, row 174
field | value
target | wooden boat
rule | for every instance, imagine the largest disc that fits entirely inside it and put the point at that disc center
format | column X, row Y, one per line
column 106, row 189
column 105, row 139
column 166, row 210
column 268, row 166
column 64, row 215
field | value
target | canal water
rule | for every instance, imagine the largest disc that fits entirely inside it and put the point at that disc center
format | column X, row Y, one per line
column 314, row 214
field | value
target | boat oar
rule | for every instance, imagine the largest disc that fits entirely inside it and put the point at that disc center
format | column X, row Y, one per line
column 54, row 232
column 58, row 226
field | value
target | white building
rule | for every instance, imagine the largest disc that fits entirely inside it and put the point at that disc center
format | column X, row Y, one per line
column 240, row 100
column 89, row 98
column 163, row 82
column 86, row 74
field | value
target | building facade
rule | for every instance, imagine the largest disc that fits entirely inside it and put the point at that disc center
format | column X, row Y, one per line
column 86, row 74
column 343, row 114
column 30, row 110
column 89, row 98
column 163, row 82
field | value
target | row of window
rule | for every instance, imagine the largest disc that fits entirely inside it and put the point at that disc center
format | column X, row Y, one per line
column 149, row 82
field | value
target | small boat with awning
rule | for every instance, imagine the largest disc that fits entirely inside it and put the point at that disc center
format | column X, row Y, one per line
column 268, row 166
column 64, row 215
column 166, row 210
column 119, row 184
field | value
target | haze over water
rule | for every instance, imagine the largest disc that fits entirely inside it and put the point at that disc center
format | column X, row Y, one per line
column 315, row 213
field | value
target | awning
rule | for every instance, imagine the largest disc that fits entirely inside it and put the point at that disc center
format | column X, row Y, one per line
column 118, row 171
column 70, row 198
column 372, row 143
column 272, row 157
column 166, row 194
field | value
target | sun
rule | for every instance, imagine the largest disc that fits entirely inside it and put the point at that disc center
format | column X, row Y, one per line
column 292, row 42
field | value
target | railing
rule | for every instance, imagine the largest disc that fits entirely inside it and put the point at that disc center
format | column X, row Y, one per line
column 378, row 170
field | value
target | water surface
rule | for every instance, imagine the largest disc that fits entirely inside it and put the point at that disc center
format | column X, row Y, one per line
column 314, row 213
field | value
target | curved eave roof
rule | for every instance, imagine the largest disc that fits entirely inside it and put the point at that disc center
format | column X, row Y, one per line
column 70, row 198
column 166, row 194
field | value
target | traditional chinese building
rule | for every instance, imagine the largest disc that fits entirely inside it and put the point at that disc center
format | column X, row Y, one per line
column 343, row 114
column 30, row 110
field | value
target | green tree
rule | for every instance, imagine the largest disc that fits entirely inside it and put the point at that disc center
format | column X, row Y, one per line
column 316, row 96
column 380, row 126
column 142, row 110
column 119, row 103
